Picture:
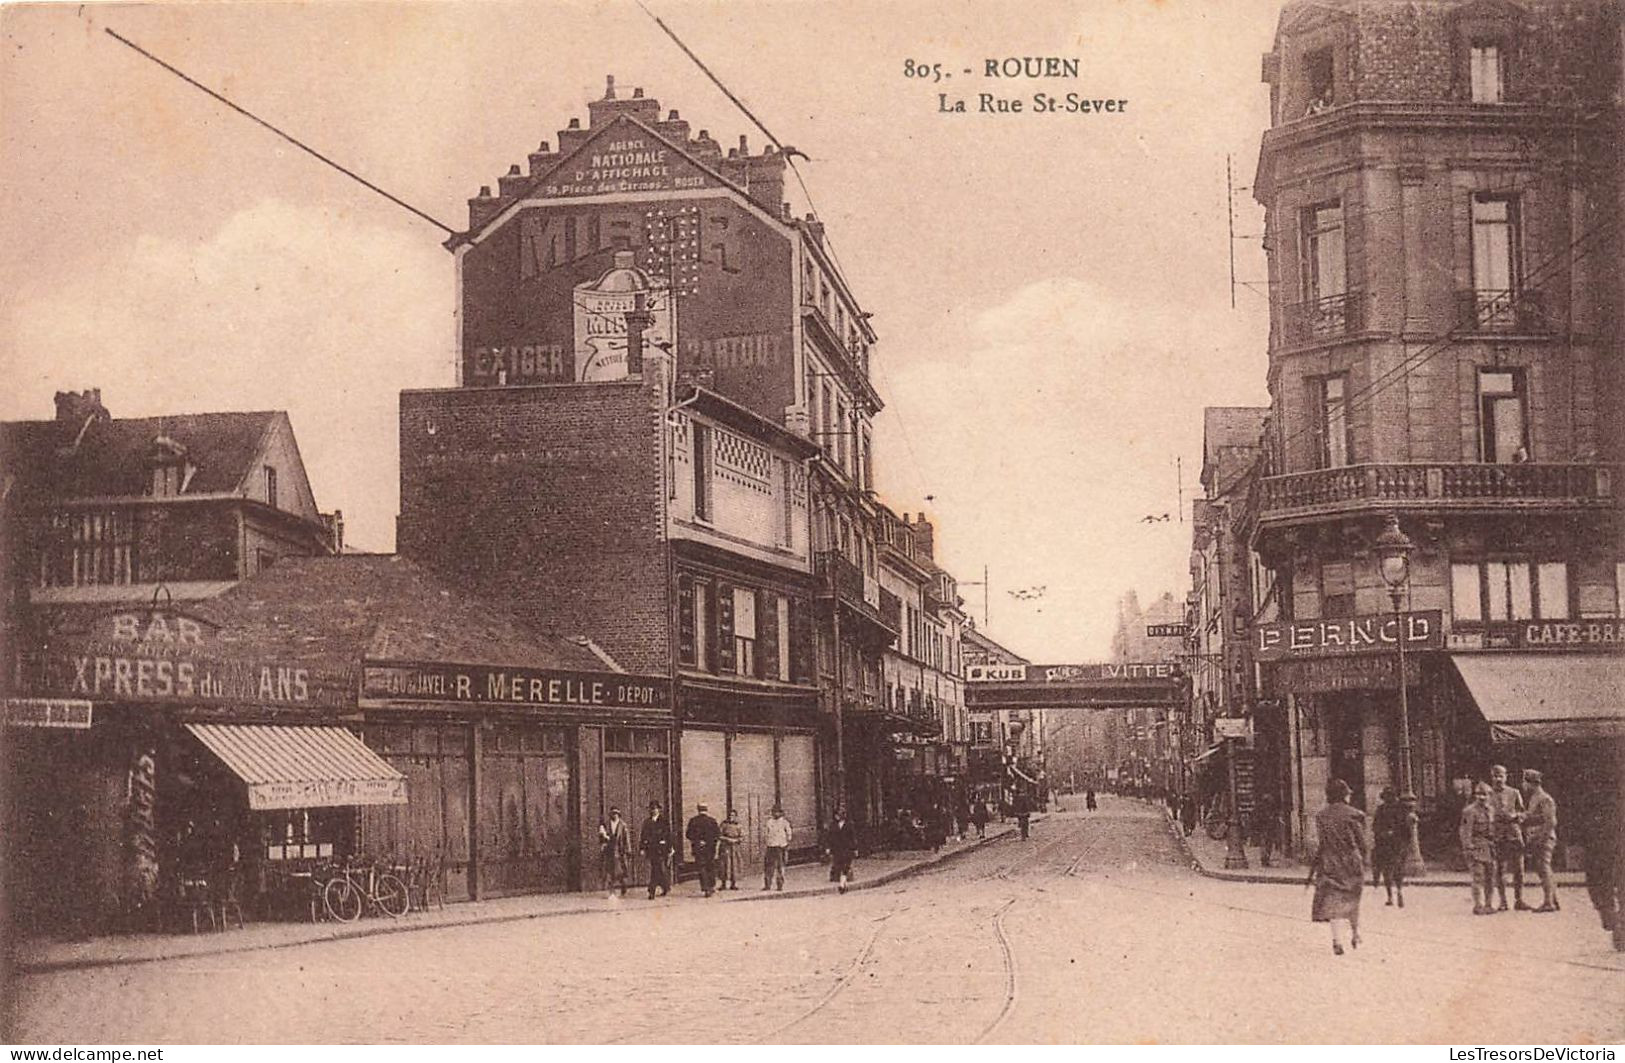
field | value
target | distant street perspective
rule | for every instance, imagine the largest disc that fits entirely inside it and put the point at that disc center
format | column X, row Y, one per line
column 1058, row 938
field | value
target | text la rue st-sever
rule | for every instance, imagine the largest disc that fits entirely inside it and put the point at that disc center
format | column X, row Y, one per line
column 1030, row 67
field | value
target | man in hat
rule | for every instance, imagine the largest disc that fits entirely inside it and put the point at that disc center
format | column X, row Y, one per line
column 614, row 851
column 1478, row 847
column 728, row 852
column 1540, row 835
column 777, row 839
column 1508, row 805
column 657, row 843
column 702, row 835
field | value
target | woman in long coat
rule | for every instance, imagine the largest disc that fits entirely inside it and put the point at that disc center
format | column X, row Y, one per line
column 843, row 846
column 1391, row 833
column 1338, row 870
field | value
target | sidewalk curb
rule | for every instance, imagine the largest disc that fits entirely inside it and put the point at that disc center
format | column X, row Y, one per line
column 401, row 926
column 1227, row 875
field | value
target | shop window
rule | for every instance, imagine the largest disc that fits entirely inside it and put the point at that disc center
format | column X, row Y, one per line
column 702, row 471
column 1503, row 424
column 1485, row 76
column 1332, row 422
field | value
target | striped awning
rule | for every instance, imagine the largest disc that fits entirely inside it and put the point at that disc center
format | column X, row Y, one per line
column 302, row 767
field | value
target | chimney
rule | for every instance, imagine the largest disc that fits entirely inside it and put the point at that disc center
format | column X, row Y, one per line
column 924, row 537
column 334, row 522
column 482, row 207
column 75, row 410
column 511, row 183
column 638, row 319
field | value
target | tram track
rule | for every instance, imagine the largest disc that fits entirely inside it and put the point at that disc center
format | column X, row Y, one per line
column 1009, row 1003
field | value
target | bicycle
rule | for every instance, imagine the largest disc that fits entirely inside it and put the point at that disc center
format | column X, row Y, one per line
column 355, row 887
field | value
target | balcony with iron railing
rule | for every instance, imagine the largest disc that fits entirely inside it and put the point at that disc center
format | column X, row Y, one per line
column 1520, row 311
column 1326, row 319
column 850, row 587
column 1435, row 486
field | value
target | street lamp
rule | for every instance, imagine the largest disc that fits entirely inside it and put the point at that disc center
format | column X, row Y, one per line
column 1394, row 548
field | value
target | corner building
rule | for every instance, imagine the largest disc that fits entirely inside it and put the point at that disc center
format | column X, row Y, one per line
column 1440, row 183
column 660, row 438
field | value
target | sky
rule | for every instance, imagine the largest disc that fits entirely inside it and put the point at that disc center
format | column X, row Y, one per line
column 1052, row 291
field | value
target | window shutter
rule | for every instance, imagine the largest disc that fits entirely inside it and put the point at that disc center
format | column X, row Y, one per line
column 767, row 632
column 685, row 621
column 802, row 666
column 725, row 630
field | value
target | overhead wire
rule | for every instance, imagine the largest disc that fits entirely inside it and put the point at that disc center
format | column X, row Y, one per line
column 828, row 244
column 290, row 138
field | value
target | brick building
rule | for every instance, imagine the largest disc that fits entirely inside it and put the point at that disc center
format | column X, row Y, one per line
column 1440, row 183
column 695, row 490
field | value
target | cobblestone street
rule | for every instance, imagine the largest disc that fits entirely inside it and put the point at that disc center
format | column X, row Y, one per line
column 1066, row 937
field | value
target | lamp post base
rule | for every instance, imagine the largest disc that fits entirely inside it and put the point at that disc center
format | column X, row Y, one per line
column 1235, row 854
column 1414, row 868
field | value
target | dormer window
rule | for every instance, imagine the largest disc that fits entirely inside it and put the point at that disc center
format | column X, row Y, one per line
column 1318, row 76
column 171, row 471
column 1484, row 70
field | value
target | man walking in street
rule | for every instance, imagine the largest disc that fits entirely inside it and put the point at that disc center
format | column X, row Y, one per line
column 777, row 839
column 1507, row 804
column 1022, row 806
column 657, row 844
column 1478, row 847
column 614, row 851
column 729, row 852
column 1540, row 835
column 702, row 835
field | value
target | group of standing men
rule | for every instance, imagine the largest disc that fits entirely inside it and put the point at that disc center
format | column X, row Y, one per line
column 716, row 847
column 1501, row 829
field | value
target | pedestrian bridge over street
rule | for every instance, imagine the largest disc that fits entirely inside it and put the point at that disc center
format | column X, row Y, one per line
column 992, row 687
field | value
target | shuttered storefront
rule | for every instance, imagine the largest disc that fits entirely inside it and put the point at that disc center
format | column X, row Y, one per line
column 798, row 785
column 525, row 829
column 433, row 826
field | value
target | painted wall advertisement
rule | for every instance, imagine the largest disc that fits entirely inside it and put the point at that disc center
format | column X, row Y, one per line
column 1345, row 636
column 536, row 309
column 396, row 681
column 167, row 656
